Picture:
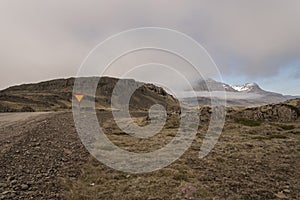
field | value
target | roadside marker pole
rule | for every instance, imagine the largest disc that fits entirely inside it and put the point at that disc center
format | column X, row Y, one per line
column 79, row 98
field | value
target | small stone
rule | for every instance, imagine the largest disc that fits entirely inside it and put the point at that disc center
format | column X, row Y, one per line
column 281, row 195
column 24, row 187
column 5, row 192
column 12, row 195
column 30, row 183
column 39, row 176
column 286, row 191
column 13, row 182
column 3, row 185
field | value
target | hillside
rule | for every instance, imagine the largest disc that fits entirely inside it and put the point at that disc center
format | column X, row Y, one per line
column 56, row 95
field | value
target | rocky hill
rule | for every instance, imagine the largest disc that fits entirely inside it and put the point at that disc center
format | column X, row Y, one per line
column 57, row 95
column 283, row 112
column 288, row 111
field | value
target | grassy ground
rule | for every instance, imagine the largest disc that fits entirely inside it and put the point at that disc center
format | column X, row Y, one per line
column 252, row 160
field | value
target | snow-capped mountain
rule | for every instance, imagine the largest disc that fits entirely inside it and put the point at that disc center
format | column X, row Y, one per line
column 212, row 85
column 247, row 94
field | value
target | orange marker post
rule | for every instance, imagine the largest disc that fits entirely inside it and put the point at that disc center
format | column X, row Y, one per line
column 79, row 97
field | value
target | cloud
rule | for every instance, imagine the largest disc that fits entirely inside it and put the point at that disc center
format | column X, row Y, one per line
column 221, row 95
column 50, row 38
column 296, row 75
column 257, row 37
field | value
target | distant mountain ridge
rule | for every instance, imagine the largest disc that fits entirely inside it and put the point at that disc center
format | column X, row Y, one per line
column 57, row 95
column 240, row 95
column 205, row 85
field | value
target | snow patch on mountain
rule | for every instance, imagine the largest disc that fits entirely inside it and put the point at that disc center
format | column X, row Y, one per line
column 245, row 88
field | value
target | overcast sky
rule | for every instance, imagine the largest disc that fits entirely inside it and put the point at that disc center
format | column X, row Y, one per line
column 250, row 41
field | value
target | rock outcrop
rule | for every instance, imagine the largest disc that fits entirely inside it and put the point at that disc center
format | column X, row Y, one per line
column 283, row 112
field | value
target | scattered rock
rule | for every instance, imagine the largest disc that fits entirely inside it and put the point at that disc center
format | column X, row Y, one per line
column 13, row 182
column 287, row 191
column 5, row 192
column 39, row 176
column 281, row 195
column 24, row 187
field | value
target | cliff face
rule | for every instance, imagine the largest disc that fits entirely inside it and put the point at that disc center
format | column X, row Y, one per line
column 57, row 95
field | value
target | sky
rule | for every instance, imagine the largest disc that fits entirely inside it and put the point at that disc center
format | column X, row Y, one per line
column 250, row 41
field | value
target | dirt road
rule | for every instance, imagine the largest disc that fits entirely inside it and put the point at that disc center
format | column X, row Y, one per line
column 37, row 150
column 7, row 119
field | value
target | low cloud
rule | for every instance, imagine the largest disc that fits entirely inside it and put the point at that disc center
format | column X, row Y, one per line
column 221, row 95
column 48, row 39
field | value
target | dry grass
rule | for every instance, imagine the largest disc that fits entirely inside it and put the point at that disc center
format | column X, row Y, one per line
column 248, row 122
column 235, row 169
column 284, row 126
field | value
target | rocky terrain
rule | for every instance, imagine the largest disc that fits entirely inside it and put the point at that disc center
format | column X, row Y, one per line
column 42, row 157
column 36, row 153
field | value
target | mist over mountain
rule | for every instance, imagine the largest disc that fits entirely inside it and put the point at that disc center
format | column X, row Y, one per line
column 57, row 95
column 247, row 94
